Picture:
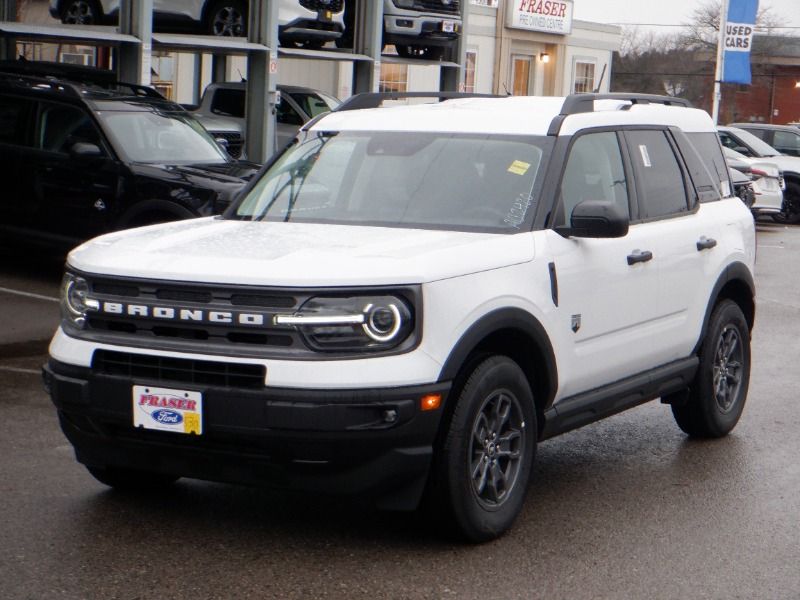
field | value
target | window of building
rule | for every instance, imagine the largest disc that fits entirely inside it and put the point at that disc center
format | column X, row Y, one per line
column 469, row 71
column 394, row 78
column 584, row 77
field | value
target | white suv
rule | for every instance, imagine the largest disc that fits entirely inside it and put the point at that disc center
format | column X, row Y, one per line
column 410, row 298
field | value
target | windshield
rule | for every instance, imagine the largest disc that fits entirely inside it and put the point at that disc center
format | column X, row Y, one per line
column 402, row 179
column 314, row 103
column 161, row 137
column 760, row 147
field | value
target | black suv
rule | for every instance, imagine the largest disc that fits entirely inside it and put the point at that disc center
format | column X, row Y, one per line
column 82, row 155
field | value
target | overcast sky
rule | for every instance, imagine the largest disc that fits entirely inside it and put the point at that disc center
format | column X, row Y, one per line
column 669, row 12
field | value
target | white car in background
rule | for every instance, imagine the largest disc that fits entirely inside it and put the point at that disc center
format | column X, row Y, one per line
column 309, row 23
column 766, row 178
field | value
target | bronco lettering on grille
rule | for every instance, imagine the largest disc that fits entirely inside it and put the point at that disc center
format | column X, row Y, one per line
column 169, row 313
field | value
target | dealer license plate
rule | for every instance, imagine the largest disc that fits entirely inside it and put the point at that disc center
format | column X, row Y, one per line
column 164, row 409
column 448, row 26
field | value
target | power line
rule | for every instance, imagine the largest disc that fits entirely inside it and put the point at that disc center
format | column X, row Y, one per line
column 758, row 27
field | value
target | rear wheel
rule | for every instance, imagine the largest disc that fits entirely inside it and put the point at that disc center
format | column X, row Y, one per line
column 483, row 464
column 130, row 479
column 717, row 394
column 80, row 12
column 227, row 18
column 790, row 211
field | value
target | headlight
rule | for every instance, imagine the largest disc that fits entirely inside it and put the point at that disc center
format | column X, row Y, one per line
column 75, row 301
column 354, row 323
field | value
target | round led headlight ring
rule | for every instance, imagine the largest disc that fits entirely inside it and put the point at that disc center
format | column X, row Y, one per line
column 75, row 293
column 382, row 322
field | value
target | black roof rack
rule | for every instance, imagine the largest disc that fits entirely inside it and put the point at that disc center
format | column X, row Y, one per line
column 375, row 99
column 583, row 103
column 74, row 74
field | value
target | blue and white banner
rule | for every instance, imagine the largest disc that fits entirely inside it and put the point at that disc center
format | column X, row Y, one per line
column 739, row 40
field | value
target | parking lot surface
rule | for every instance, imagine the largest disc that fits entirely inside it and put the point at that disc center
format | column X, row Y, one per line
column 625, row 508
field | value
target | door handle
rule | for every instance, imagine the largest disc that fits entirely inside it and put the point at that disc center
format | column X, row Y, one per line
column 705, row 243
column 639, row 256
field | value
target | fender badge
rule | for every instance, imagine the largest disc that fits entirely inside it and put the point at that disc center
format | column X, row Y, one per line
column 576, row 323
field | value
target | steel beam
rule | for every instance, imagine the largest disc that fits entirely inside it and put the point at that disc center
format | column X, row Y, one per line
column 262, row 81
column 136, row 18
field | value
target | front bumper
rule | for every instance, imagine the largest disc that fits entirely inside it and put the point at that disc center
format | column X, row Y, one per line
column 374, row 443
column 408, row 28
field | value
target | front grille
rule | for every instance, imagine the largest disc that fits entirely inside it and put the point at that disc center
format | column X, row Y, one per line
column 235, row 141
column 331, row 5
column 190, row 307
column 437, row 6
column 179, row 370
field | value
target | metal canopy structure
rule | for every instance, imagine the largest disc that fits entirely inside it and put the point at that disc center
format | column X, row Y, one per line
column 135, row 41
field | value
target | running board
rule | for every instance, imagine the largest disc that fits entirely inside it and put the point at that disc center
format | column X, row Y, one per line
column 588, row 407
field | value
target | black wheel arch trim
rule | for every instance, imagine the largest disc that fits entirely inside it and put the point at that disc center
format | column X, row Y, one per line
column 736, row 271
column 510, row 318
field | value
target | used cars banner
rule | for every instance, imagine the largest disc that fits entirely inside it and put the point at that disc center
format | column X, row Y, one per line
column 739, row 29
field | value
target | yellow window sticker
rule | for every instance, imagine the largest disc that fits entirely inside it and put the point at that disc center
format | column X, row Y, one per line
column 519, row 168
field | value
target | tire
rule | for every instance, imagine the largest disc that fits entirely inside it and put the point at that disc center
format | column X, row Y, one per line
column 420, row 52
column 131, row 480
column 790, row 212
column 80, row 12
column 717, row 395
column 227, row 18
column 478, row 486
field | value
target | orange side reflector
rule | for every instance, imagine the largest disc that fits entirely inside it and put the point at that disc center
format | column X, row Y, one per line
column 430, row 402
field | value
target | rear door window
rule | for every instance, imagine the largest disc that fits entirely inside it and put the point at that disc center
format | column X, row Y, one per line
column 660, row 180
column 15, row 120
column 787, row 142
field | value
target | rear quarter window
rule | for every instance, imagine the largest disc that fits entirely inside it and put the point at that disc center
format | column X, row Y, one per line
column 709, row 151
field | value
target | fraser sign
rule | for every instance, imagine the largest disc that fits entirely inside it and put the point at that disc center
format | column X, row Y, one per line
column 550, row 16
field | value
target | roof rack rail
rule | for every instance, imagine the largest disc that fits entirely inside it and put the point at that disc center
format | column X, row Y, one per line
column 580, row 103
column 74, row 75
column 584, row 103
column 375, row 99
column 55, row 85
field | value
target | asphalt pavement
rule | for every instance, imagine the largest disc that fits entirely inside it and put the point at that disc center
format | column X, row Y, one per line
column 625, row 508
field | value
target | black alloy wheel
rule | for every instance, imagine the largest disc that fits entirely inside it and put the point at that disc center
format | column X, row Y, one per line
column 80, row 12
column 718, row 393
column 790, row 211
column 227, row 18
column 482, row 461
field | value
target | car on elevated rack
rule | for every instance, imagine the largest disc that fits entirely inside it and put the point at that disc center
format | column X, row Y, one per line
column 82, row 154
column 409, row 299
column 308, row 23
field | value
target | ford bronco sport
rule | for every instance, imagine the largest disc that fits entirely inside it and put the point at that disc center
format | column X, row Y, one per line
column 411, row 298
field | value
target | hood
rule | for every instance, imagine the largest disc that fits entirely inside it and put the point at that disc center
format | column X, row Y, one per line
column 234, row 172
column 220, row 124
column 297, row 254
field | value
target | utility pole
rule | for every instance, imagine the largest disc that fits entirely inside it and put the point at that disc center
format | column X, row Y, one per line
column 723, row 20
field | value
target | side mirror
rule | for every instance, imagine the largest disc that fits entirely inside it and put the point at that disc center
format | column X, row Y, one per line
column 222, row 143
column 596, row 219
column 85, row 150
column 743, row 150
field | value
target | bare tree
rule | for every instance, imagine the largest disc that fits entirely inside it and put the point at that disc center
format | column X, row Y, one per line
column 702, row 32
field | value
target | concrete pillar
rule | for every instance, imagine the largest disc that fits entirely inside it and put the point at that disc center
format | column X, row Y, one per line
column 262, row 80
column 451, row 79
column 136, row 18
column 368, row 40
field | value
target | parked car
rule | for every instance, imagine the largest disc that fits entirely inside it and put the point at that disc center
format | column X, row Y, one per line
column 81, row 159
column 784, row 138
column 310, row 23
column 424, row 29
column 223, row 105
column 749, row 145
column 766, row 181
column 410, row 299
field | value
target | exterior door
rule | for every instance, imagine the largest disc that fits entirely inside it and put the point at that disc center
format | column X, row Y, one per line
column 75, row 195
column 521, row 74
column 607, row 307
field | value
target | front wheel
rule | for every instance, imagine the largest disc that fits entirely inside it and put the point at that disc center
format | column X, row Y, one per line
column 483, row 464
column 717, row 394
